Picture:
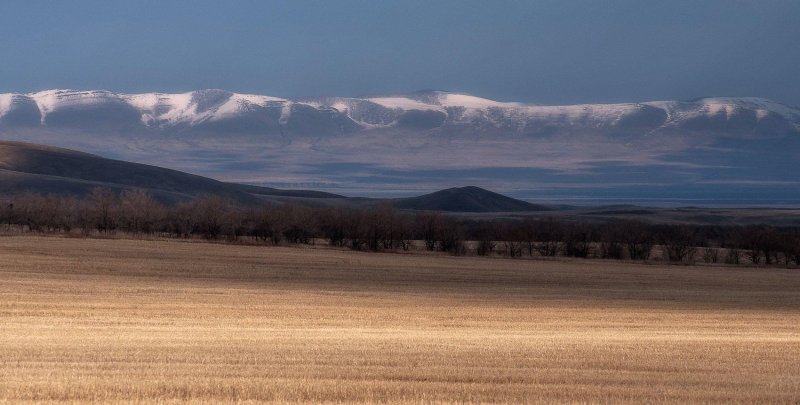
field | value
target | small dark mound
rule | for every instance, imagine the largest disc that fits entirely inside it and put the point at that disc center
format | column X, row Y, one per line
column 466, row 199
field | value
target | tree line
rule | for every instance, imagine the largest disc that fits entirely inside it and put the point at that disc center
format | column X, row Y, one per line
column 385, row 228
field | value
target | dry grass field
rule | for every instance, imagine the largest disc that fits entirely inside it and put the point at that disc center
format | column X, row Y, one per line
column 170, row 321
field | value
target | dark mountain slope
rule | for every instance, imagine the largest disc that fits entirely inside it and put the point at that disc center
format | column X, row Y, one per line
column 43, row 169
column 268, row 191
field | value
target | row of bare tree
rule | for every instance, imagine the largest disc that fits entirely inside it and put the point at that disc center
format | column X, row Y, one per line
column 384, row 227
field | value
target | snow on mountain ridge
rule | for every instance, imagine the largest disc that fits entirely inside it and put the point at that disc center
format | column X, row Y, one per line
column 472, row 102
column 404, row 103
column 192, row 108
column 50, row 100
column 183, row 108
column 155, row 107
column 680, row 111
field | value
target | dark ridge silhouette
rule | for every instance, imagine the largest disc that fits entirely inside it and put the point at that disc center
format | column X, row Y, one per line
column 42, row 169
column 466, row 199
column 268, row 191
column 26, row 167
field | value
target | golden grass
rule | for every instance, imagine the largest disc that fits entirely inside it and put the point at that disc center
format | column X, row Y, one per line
column 170, row 321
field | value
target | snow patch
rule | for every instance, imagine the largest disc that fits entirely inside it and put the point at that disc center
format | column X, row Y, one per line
column 258, row 99
column 164, row 108
column 47, row 100
column 715, row 108
column 755, row 103
column 404, row 103
column 286, row 112
column 472, row 102
column 238, row 103
column 596, row 112
column 341, row 106
column 233, row 106
column 145, row 102
column 5, row 103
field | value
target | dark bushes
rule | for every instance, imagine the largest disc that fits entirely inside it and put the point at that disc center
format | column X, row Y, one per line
column 385, row 228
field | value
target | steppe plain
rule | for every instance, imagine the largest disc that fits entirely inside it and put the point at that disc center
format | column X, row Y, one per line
column 129, row 321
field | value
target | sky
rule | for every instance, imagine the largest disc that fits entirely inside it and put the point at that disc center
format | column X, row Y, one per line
column 538, row 51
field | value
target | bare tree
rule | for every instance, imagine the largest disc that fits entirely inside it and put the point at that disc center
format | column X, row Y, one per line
column 7, row 214
column 578, row 240
column 40, row 213
column 638, row 239
column 527, row 231
column 379, row 223
column 549, row 234
column 751, row 241
column 427, row 228
column 488, row 234
column 450, row 236
column 402, row 231
column 180, row 220
column 513, row 238
column 299, row 226
column 267, row 225
column 233, row 224
column 612, row 241
column 710, row 254
column 29, row 212
column 733, row 256
column 208, row 216
column 139, row 212
column 679, row 243
column 104, row 206
column 793, row 247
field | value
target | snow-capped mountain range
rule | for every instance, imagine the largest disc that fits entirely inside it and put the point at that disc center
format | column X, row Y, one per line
column 420, row 110
column 426, row 140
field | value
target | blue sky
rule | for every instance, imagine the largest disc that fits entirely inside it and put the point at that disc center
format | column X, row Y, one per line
column 537, row 51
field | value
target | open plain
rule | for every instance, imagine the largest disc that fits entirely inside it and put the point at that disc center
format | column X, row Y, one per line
column 91, row 320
